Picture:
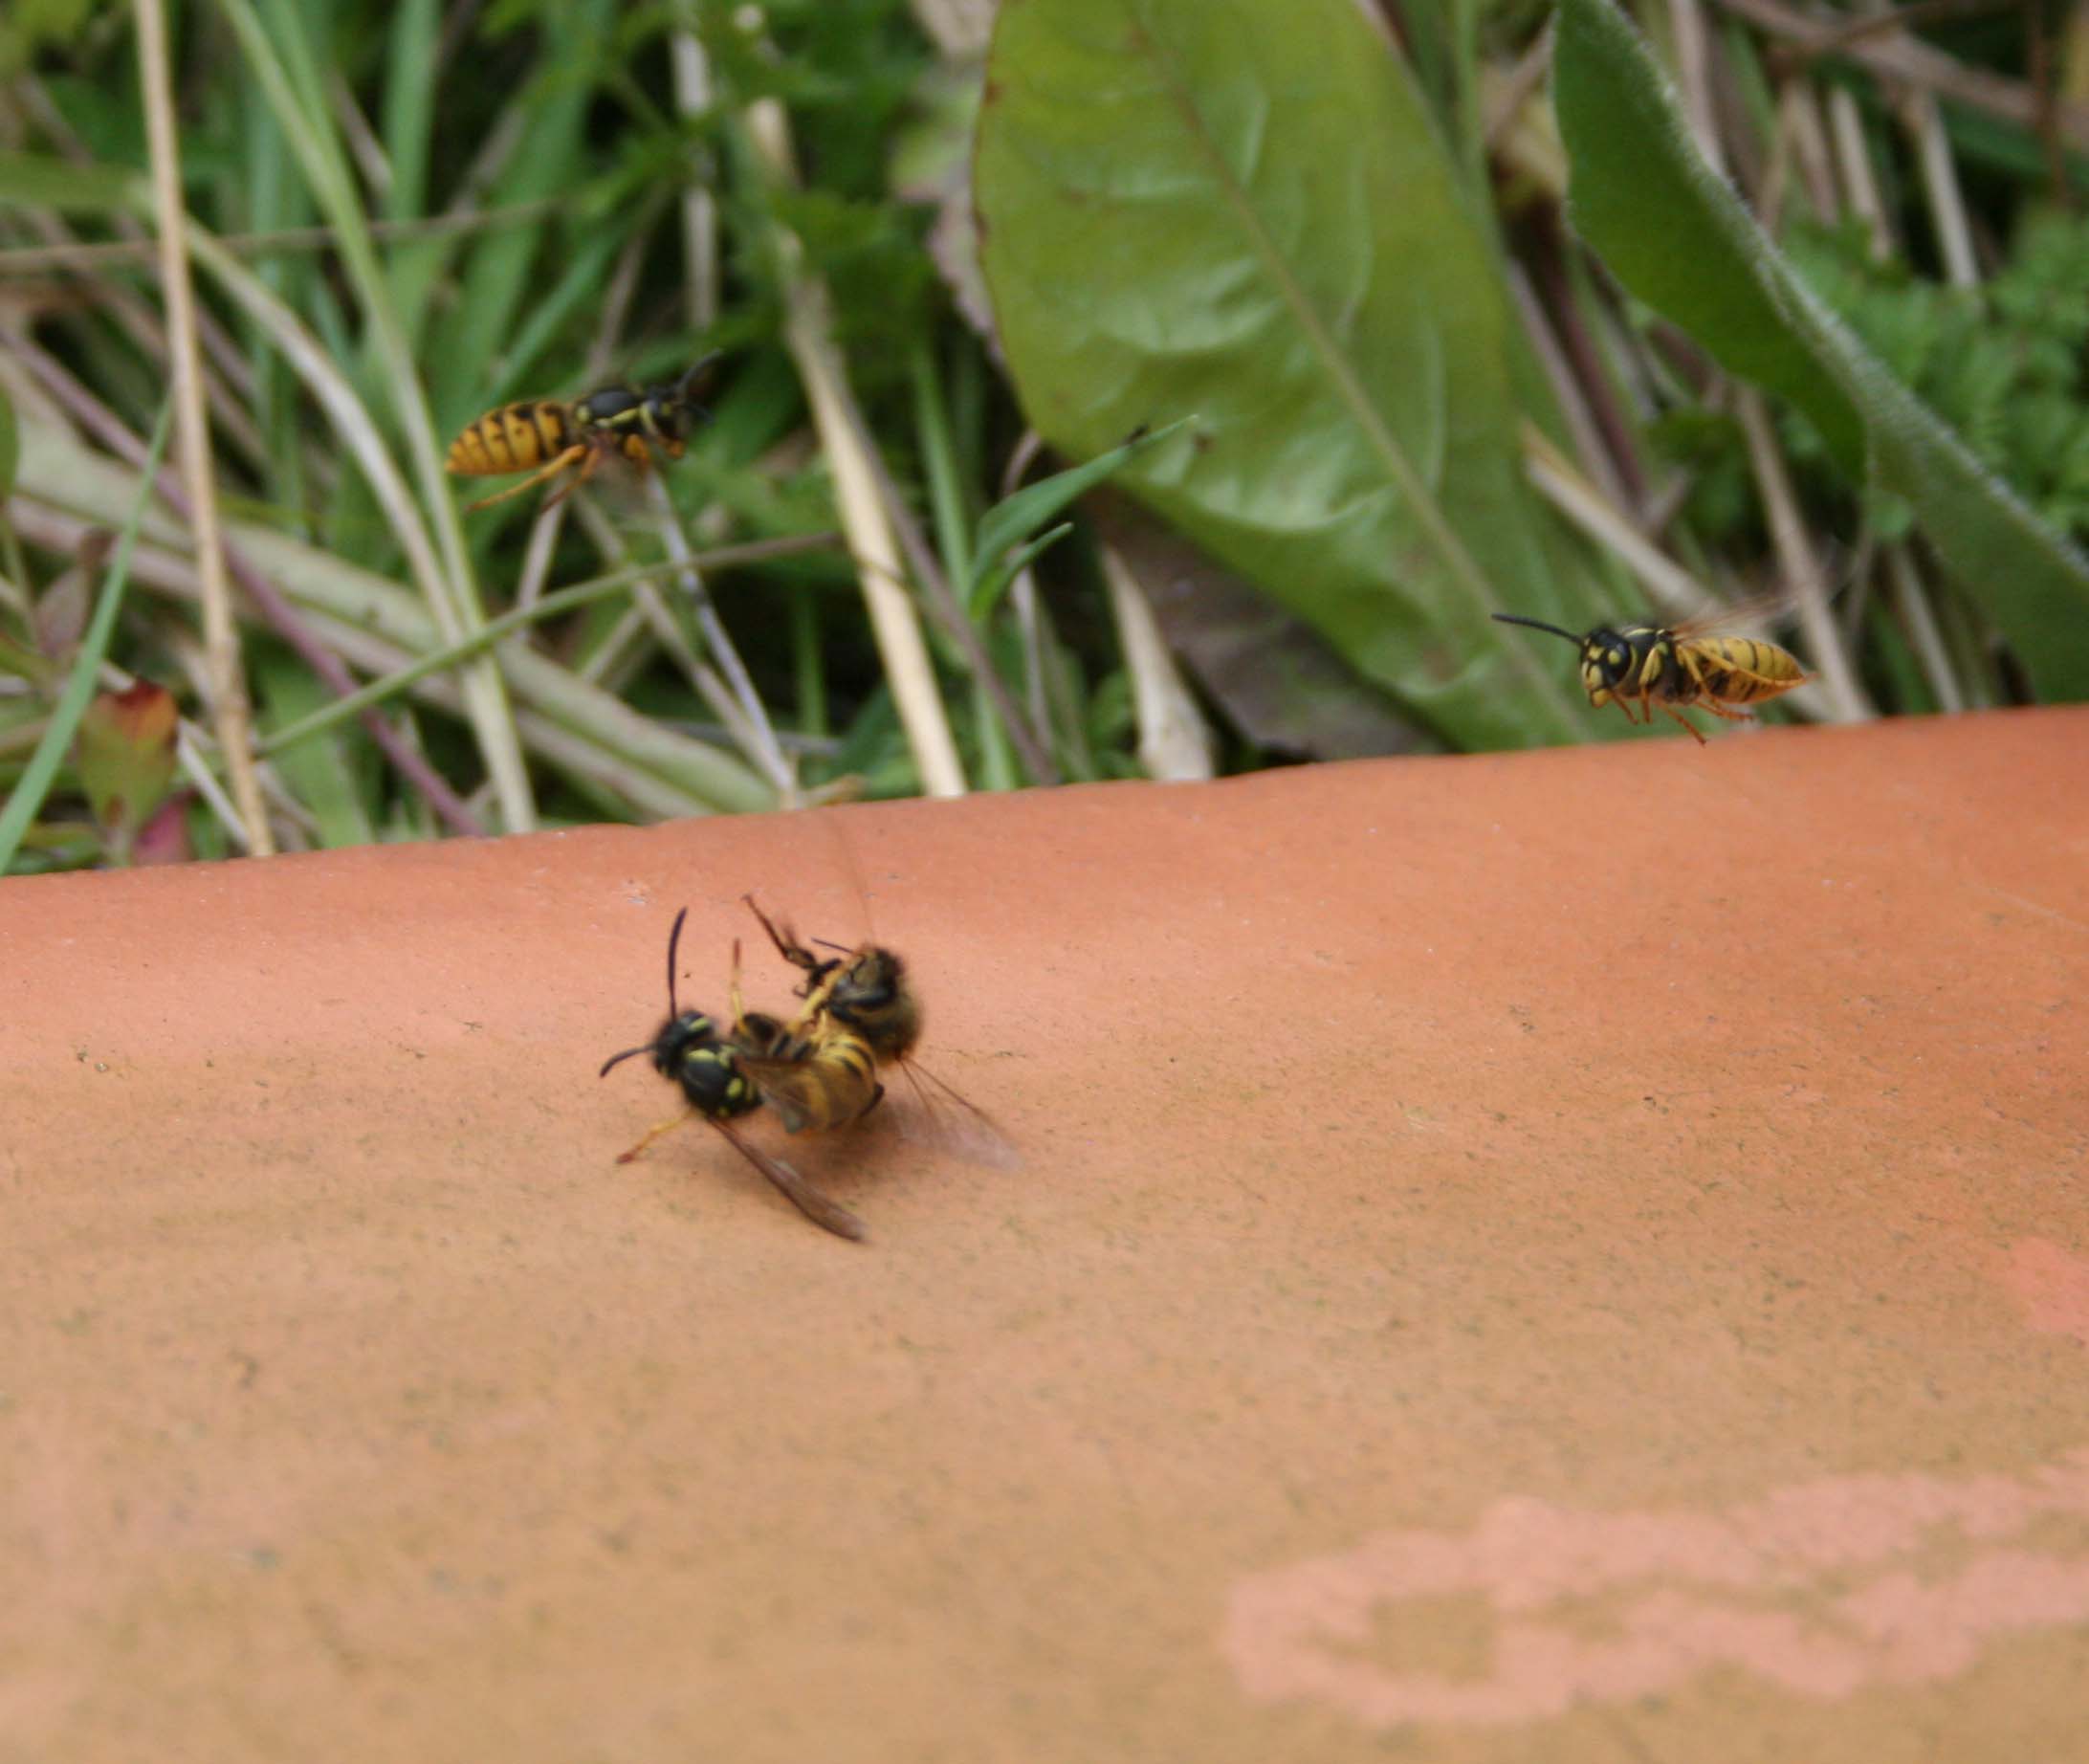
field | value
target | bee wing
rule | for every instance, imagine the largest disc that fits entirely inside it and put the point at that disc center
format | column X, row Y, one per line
column 951, row 1122
column 829, row 1215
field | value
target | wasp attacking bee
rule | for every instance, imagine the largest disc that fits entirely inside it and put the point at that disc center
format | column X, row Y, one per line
column 1694, row 665
column 726, row 1072
column 547, row 436
column 865, row 993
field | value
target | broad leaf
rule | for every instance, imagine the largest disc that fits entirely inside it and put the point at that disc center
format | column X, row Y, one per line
column 1244, row 211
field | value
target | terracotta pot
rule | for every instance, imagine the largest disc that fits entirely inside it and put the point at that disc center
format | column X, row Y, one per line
column 1573, row 1256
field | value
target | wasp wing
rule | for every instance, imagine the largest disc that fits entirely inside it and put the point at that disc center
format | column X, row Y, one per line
column 952, row 1122
column 829, row 1215
column 1770, row 609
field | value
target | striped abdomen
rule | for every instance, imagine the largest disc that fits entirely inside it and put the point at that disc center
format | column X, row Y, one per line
column 818, row 1085
column 514, row 438
column 1742, row 670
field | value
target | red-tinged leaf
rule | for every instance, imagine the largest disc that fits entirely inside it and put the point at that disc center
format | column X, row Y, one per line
column 164, row 839
column 126, row 755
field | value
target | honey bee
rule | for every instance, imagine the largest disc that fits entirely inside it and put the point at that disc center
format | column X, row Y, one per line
column 554, row 435
column 708, row 1062
column 1693, row 665
column 865, row 992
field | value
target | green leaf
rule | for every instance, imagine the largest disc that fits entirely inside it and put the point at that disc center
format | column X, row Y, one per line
column 1674, row 233
column 995, row 583
column 1016, row 516
column 126, row 757
column 1246, row 212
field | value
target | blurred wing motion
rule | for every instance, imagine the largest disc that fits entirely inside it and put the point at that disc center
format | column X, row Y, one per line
column 1772, row 607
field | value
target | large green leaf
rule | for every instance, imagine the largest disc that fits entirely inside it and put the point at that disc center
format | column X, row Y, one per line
column 1244, row 211
column 1674, row 233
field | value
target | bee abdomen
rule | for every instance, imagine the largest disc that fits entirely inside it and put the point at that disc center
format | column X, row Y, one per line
column 510, row 439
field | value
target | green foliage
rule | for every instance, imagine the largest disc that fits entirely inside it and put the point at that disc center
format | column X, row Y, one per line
column 1265, row 234
column 1674, row 233
column 1246, row 213
column 2003, row 363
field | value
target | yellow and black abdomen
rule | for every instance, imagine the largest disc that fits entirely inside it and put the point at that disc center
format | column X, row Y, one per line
column 1742, row 670
column 514, row 438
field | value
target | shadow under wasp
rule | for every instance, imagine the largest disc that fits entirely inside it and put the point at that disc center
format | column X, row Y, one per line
column 1695, row 664
column 547, row 436
column 727, row 1071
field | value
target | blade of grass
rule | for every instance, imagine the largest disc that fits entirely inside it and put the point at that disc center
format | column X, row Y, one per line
column 259, row 588
column 377, row 625
column 28, row 795
column 546, row 607
column 452, row 595
column 808, row 330
column 230, row 710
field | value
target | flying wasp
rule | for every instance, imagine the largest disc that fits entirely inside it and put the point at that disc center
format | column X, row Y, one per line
column 865, row 992
column 708, row 1061
column 547, row 436
column 1694, row 665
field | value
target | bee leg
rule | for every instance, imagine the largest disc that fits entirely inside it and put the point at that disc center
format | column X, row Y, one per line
column 1719, row 710
column 658, row 1132
column 553, row 470
column 877, row 1095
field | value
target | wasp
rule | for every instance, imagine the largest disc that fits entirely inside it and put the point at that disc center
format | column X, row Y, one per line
column 1694, row 665
column 865, row 993
column 547, row 436
column 711, row 1063
column 816, row 1072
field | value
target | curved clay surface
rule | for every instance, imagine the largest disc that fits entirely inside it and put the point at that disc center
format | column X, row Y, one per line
column 1572, row 1256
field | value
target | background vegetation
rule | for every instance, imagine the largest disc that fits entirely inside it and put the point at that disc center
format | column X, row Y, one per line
column 1408, row 312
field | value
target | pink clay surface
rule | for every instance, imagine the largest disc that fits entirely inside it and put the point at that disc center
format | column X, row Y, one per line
column 1574, row 1256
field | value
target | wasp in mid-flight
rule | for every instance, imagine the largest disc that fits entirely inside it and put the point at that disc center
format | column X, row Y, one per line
column 1694, row 665
column 865, row 993
column 712, row 1064
column 547, row 436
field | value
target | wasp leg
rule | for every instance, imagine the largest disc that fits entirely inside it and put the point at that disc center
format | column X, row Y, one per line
column 1695, row 734
column 587, row 471
column 556, row 465
column 1705, row 699
column 660, row 1132
column 737, row 1004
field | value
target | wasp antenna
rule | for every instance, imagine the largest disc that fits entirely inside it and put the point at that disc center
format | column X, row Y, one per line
column 674, row 939
column 617, row 1059
column 1510, row 618
column 840, row 948
column 698, row 374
